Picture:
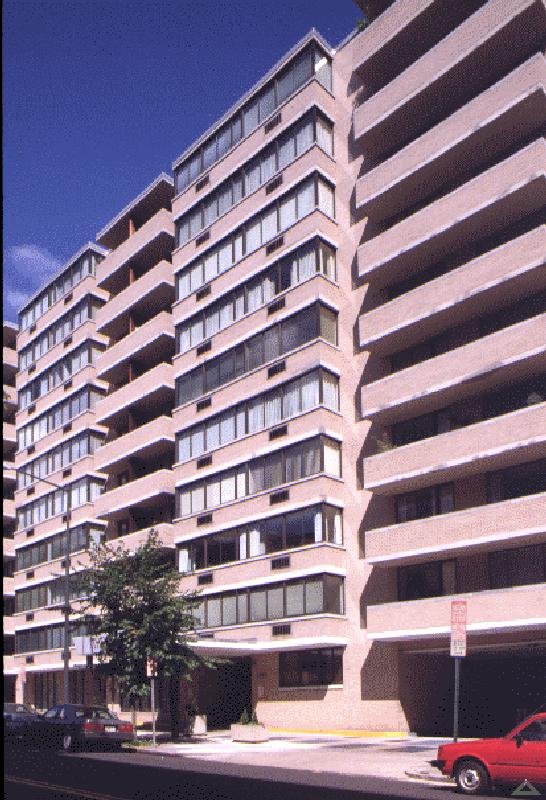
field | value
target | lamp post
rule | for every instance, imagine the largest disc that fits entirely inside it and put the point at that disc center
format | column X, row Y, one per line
column 66, row 605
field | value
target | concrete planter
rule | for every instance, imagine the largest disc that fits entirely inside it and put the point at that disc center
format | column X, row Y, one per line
column 249, row 733
column 197, row 726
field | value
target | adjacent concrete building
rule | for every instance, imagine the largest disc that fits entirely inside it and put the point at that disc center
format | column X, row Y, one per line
column 9, row 356
column 317, row 365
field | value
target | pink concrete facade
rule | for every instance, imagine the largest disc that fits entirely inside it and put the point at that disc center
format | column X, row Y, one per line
column 328, row 487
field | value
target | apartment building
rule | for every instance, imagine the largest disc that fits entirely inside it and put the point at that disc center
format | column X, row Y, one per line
column 318, row 368
column 9, row 332
column 57, row 434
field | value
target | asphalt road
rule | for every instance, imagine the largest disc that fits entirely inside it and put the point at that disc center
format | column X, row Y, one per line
column 32, row 774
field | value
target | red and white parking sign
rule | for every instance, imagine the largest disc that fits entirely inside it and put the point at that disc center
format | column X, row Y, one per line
column 458, row 628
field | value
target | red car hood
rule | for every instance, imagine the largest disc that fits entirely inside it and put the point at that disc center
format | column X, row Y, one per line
column 474, row 745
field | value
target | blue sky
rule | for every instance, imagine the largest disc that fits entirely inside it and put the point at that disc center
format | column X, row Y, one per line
column 100, row 96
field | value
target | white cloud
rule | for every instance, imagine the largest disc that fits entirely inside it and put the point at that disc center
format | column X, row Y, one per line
column 35, row 260
column 26, row 268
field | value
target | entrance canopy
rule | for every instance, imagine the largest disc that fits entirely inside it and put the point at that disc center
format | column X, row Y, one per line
column 233, row 647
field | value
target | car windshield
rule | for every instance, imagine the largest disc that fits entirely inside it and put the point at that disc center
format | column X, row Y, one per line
column 92, row 712
column 16, row 708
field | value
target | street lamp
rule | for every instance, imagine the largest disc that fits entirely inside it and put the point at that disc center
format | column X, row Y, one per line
column 66, row 607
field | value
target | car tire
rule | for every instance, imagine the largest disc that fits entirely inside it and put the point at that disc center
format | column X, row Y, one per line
column 68, row 743
column 471, row 777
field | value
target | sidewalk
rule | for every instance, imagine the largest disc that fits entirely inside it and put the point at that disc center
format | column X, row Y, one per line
column 356, row 753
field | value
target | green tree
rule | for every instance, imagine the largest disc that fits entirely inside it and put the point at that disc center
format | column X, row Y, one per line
column 140, row 615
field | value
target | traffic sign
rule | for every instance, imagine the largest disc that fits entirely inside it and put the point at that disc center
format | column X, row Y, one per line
column 151, row 669
column 458, row 628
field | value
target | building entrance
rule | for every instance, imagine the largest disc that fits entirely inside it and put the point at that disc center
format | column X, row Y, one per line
column 226, row 692
column 498, row 690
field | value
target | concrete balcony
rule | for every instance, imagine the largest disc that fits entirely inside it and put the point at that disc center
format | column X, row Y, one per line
column 314, row 224
column 313, row 93
column 8, row 474
column 314, row 354
column 159, row 227
column 502, row 275
column 314, row 158
column 9, row 358
column 494, row 199
column 319, row 420
column 487, row 44
column 132, row 541
column 495, row 611
column 489, row 445
column 8, row 587
column 491, row 123
column 510, row 523
column 8, row 547
column 317, row 288
column 140, row 492
column 83, row 377
column 8, row 433
column 8, row 510
column 153, row 389
column 86, row 287
column 86, row 333
column 387, row 28
column 151, row 293
column 256, row 570
column 513, row 353
column 10, row 400
column 307, row 492
column 150, row 343
column 8, row 624
column 86, row 421
column 322, row 630
column 146, row 441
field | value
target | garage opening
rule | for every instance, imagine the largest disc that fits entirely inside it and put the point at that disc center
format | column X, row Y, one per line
column 498, row 690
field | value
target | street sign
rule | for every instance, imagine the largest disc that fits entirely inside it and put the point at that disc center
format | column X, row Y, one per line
column 151, row 669
column 87, row 645
column 458, row 628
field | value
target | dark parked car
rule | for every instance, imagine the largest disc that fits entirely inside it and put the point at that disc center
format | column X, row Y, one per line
column 17, row 719
column 69, row 726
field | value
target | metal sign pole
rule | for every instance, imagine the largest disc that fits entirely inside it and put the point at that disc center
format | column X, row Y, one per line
column 457, row 650
column 457, row 660
column 153, row 709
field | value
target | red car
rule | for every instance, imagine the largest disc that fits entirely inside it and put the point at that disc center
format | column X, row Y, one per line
column 478, row 765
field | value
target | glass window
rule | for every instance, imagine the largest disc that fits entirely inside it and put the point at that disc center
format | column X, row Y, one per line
column 294, row 600
column 328, row 324
column 306, row 198
column 267, row 103
column 287, row 150
column 258, row 605
column 314, row 599
column 325, row 134
column 229, row 609
column 214, row 612
column 213, row 435
column 250, row 117
column 326, row 198
column 288, row 213
column 304, row 135
column 253, row 236
column 275, row 602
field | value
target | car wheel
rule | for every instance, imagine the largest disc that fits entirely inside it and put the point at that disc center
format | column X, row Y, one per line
column 471, row 777
column 68, row 743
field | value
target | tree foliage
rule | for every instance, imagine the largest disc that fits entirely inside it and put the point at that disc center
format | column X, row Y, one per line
column 140, row 614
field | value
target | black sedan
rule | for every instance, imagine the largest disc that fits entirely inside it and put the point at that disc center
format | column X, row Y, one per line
column 69, row 726
column 17, row 719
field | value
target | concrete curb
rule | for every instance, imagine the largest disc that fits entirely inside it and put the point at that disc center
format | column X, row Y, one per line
column 428, row 777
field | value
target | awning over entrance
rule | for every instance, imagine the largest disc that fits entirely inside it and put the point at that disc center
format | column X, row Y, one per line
column 227, row 647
